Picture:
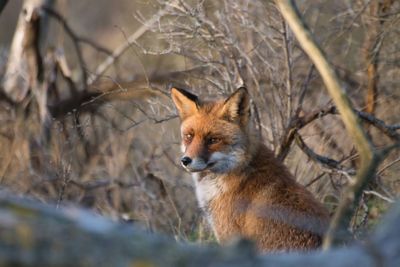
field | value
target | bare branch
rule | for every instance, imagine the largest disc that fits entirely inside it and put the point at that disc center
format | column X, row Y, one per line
column 100, row 183
column 296, row 124
column 389, row 130
column 102, row 68
column 371, row 192
column 288, row 63
column 373, row 43
column 388, row 165
column 75, row 40
column 312, row 181
column 97, row 95
column 324, row 161
column 290, row 13
column 337, row 231
column 369, row 160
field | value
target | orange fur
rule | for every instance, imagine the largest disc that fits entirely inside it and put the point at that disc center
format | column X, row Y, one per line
column 243, row 189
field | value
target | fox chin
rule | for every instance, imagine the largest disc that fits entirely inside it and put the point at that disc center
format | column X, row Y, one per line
column 242, row 188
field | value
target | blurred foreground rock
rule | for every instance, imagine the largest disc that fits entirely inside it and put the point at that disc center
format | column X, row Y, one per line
column 36, row 234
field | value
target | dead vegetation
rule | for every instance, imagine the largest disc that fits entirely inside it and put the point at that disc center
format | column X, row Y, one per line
column 90, row 120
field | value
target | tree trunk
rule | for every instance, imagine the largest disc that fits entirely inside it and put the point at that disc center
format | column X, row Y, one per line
column 24, row 63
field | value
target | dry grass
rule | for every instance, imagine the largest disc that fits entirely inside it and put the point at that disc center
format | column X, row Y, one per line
column 120, row 157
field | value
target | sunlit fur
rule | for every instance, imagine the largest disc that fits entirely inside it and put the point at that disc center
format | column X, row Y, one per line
column 230, row 153
column 243, row 189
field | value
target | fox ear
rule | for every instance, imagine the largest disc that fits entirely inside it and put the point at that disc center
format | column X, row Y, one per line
column 237, row 107
column 185, row 102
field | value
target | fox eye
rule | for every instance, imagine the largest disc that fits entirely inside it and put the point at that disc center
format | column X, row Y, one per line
column 214, row 140
column 188, row 137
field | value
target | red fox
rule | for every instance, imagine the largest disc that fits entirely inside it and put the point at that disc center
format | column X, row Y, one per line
column 242, row 188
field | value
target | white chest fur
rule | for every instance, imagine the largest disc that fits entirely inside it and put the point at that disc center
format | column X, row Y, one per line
column 207, row 188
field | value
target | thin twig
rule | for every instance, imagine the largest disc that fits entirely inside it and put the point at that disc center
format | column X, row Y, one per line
column 292, row 16
column 371, row 192
column 388, row 165
column 75, row 41
column 369, row 158
column 324, row 161
column 298, row 123
column 389, row 130
column 103, row 67
column 288, row 64
column 66, row 178
column 137, row 56
column 295, row 122
column 319, row 176
column 101, row 183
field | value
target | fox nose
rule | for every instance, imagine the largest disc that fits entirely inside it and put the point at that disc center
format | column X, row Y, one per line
column 186, row 161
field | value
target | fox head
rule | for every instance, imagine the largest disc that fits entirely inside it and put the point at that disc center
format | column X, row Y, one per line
column 215, row 134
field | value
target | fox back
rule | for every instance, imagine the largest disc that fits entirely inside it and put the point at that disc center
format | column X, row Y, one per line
column 242, row 188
